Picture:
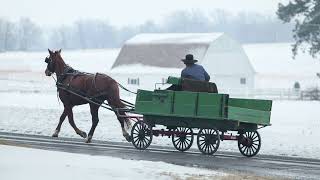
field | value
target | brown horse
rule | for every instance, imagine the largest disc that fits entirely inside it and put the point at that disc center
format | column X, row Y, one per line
column 99, row 86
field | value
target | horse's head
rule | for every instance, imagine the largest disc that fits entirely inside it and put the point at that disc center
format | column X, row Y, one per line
column 52, row 61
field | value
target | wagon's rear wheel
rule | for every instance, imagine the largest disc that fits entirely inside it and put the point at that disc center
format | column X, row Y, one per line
column 182, row 138
column 141, row 135
column 208, row 141
column 249, row 143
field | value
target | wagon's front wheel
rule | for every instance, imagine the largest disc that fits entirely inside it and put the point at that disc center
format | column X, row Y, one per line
column 141, row 135
column 182, row 138
column 249, row 143
column 208, row 141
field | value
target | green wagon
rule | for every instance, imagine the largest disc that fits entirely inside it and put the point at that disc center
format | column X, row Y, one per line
column 208, row 116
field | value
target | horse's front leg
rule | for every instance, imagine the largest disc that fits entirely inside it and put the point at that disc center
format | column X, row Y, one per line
column 71, row 122
column 95, row 120
column 62, row 118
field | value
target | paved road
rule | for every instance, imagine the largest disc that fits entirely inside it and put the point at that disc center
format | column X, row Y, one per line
column 261, row 165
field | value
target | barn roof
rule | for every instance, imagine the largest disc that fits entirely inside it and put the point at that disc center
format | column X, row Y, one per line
column 174, row 38
column 164, row 50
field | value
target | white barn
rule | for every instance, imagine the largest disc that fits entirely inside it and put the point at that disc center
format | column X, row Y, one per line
column 148, row 58
column 276, row 69
column 239, row 70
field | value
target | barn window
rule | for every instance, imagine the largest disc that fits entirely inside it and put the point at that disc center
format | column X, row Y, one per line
column 133, row 81
column 296, row 85
column 243, row 81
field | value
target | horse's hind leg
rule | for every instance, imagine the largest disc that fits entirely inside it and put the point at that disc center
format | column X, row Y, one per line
column 62, row 118
column 122, row 121
column 71, row 121
column 95, row 120
column 115, row 102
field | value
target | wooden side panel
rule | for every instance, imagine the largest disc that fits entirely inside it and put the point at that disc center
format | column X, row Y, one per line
column 157, row 102
column 211, row 105
column 258, row 104
column 250, row 110
column 185, row 103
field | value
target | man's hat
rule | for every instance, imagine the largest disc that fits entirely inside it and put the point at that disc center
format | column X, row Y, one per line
column 189, row 59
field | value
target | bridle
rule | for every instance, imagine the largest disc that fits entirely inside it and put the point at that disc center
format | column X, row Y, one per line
column 50, row 63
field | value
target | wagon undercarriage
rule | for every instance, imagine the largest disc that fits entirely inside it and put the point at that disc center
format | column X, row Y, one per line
column 207, row 139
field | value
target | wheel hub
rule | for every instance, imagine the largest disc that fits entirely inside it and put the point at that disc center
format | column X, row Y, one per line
column 247, row 142
column 141, row 134
column 182, row 138
column 210, row 139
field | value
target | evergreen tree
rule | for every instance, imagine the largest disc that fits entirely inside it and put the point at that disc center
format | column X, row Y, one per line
column 306, row 15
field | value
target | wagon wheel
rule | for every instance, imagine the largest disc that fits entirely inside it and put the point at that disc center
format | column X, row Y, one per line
column 208, row 141
column 249, row 143
column 182, row 138
column 141, row 135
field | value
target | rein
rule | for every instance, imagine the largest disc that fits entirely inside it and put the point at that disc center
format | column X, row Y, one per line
column 57, row 89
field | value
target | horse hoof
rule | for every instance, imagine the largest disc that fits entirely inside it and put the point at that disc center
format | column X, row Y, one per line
column 128, row 138
column 83, row 134
column 89, row 139
column 55, row 134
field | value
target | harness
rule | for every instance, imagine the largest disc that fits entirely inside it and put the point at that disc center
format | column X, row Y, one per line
column 69, row 71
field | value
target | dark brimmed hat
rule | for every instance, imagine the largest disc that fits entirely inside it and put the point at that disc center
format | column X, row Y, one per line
column 189, row 59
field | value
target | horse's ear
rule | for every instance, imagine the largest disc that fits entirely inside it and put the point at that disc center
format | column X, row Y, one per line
column 50, row 52
column 59, row 51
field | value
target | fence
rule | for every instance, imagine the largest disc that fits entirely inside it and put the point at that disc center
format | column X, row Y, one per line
column 274, row 94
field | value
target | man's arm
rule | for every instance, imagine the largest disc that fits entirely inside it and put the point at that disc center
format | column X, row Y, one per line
column 183, row 74
column 206, row 75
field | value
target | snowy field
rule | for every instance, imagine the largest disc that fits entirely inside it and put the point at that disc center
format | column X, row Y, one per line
column 40, row 164
column 29, row 105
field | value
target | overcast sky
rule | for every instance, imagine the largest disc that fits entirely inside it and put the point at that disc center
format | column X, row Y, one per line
column 121, row 12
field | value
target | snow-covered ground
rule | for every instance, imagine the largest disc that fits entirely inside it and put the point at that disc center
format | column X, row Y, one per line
column 18, row 163
column 28, row 104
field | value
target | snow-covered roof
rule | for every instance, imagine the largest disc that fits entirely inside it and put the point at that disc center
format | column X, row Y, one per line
column 164, row 49
column 276, row 59
column 174, row 38
column 143, row 69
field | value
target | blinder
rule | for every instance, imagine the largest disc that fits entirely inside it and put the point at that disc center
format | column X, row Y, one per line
column 50, row 65
column 47, row 60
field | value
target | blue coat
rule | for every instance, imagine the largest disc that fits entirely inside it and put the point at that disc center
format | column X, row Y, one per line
column 196, row 72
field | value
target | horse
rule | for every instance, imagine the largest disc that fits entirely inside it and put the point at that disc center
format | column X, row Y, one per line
column 98, row 85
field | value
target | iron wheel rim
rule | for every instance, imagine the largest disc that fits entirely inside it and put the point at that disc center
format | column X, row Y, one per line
column 208, row 141
column 249, row 143
column 141, row 135
column 182, row 142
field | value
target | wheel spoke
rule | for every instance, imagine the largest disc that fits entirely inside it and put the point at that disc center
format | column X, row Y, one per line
column 209, row 149
column 179, row 144
column 135, row 140
column 139, row 127
column 145, row 142
column 138, row 144
column 183, row 144
column 255, row 136
column 205, row 148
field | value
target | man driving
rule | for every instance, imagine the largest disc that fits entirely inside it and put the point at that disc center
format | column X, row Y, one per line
column 194, row 71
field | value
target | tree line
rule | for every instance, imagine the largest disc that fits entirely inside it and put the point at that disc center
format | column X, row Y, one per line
column 85, row 34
